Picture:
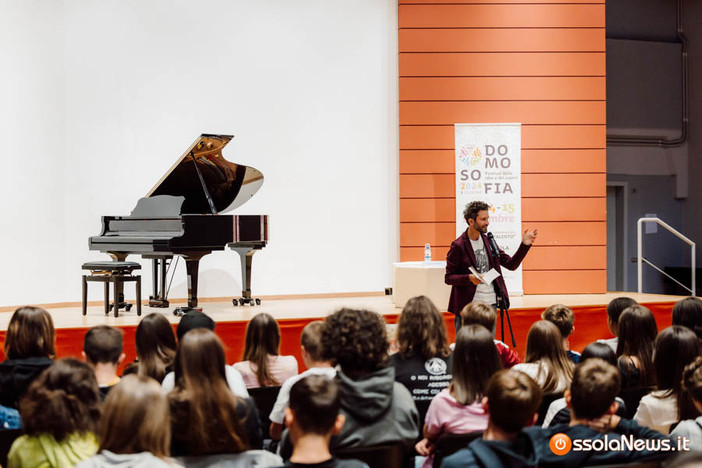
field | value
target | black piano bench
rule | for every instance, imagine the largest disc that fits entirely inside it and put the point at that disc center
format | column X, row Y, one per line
column 116, row 273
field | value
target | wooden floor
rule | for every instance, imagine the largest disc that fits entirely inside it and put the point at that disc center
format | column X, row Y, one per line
column 307, row 307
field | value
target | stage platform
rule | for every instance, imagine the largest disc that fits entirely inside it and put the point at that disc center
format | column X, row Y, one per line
column 294, row 313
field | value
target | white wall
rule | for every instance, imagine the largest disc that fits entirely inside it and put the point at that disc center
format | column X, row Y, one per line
column 105, row 95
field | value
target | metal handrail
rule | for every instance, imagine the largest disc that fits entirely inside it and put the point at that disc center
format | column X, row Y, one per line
column 640, row 259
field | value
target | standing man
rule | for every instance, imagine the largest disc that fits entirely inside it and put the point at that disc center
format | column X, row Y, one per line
column 472, row 249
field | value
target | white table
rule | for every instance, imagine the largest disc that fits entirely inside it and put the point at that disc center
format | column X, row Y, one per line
column 420, row 279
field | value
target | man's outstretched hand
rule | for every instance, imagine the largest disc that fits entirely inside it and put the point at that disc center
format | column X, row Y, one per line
column 529, row 237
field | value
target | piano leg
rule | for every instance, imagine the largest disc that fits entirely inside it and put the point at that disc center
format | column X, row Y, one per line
column 107, row 298
column 192, row 264
column 158, row 276
column 246, row 258
column 163, row 264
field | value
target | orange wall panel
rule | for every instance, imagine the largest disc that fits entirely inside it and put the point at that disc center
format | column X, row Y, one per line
column 568, row 233
column 502, row 40
column 441, row 222
column 501, row 16
column 427, row 186
column 533, row 137
column 564, row 209
column 533, row 185
column 532, row 112
column 564, row 136
column 554, row 160
column 530, row 88
column 409, row 2
column 564, row 282
column 428, row 210
column 427, row 162
column 533, row 161
column 418, row 234
column 564, row 185
column 565, row 258
column 541, row 64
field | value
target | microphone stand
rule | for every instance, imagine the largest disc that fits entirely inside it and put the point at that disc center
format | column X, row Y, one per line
column 501, row 303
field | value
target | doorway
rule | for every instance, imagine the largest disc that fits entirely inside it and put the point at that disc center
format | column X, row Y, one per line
column 616, row 236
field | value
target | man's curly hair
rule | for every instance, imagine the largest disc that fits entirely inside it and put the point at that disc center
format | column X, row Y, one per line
column 472, row 209
column 356, row 340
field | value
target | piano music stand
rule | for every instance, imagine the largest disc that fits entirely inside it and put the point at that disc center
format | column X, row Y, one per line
column 115, row 273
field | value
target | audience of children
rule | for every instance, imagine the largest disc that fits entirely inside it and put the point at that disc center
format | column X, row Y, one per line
column 206, row 417
column 262, row 365
column 155, row 348
column 134, row 429
column 312, row 418
column 102, row 349
column 692, row 428
column 546, row 361
column 482, row 313
column 60, row 412
column 192, row 320
column 311, row 350
column 614, row 309
column 29, row 349
column 637, row 332
column 674, row 348
column 423, row 360
column 563, row 317
column 377, row 409
column 458, row 409
column 198, row 416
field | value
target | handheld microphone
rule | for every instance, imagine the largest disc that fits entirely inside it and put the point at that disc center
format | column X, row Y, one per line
column 493, row 245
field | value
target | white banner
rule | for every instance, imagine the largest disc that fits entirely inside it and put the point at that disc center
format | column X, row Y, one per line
column 488, row 168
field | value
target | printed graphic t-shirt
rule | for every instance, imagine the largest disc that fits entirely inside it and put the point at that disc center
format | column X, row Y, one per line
column 423, row 378
column 483, row 292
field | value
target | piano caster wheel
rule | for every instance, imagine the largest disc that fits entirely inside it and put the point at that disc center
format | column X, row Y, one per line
column 258, row 301
column 242, row 301
column 235, row 302
column 128, row 307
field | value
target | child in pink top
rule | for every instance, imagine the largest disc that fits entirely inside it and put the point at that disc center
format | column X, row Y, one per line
column 280, row 369
column 262, row 365
column 458, row 409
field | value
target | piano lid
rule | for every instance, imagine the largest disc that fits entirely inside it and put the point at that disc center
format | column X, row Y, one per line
column 209, row 183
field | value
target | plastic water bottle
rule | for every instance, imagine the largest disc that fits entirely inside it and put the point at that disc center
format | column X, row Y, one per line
column 427, row 252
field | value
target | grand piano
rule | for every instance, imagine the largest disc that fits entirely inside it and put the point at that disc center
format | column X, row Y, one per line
column 181, row 215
